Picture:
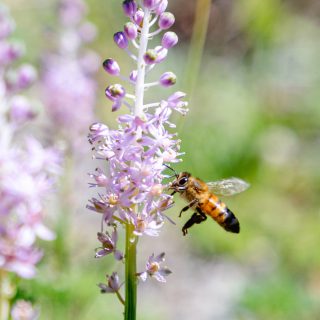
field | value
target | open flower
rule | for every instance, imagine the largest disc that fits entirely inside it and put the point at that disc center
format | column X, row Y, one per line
column 108, row 245
column 154, row 269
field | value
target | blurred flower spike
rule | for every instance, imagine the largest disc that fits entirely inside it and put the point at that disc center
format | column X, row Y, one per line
column 69, row 72
column 27, row 168
column 132, row 193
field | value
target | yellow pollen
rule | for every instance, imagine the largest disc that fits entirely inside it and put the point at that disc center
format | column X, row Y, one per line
column 156, row 190
column 154, row 267
column 108, row 245
column 141, row 224
column 113, row 199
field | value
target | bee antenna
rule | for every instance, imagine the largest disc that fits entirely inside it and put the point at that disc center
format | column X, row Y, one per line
column 175, row 172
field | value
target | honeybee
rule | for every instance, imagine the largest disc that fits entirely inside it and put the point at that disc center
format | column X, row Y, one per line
column 203, row 197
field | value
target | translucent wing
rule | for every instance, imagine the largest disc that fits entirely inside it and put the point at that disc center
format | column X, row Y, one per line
column 228, row 187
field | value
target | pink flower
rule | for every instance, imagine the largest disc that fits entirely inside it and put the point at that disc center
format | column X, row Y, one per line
column 154, row 269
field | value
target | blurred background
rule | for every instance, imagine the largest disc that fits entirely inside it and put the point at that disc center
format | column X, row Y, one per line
column 254, row 114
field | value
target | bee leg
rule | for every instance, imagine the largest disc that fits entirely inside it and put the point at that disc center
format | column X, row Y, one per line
column 190, row 205
column 196, row 218
column 202, row 214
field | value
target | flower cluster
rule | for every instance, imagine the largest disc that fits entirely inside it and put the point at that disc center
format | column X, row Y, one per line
column 26, row 173
column 133, row 192
column 68, row 85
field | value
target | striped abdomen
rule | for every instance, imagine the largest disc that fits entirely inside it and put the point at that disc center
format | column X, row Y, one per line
column 216, row 209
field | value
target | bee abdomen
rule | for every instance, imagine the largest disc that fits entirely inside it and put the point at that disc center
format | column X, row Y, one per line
column 230, row 223
column 221, row 214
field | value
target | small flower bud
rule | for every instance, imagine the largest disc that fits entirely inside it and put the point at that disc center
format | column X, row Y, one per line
column 21, row 110
column 162, row 53
column 120, row 40
column 115, row 92
column 161, row 7
column 111, row 66
column 133, row 75
column 166, row 20
column 138, row 17
column 113, row 284
column 10, row 52
column 130, row 30
column 168, row 79
column 129, row 7
column 26, row 75
column 150, row 56
column 150, row 4
column 169, row 40
column 176, row 97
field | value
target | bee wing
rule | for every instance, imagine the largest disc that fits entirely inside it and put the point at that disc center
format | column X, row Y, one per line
column 228, row 187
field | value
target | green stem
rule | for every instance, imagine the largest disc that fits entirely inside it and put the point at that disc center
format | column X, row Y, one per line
column 120, row 297
column 131, row 278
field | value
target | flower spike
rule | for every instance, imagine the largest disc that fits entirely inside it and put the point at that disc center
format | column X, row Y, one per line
column 136, row 153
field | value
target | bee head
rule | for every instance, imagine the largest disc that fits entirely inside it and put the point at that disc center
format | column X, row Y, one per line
column 181, row 181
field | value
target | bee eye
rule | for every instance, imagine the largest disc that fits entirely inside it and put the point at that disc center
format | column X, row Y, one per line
column 183, row 181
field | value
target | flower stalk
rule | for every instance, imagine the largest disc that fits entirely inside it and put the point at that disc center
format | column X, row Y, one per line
column 130, row 274
column 141, row 66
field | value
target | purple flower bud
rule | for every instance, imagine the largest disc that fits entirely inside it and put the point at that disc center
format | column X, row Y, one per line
column 130, row 30
column 21, row 110
column 138, row 17
column 113, row 284
column 169, row 40
column 162, row 53
column 150, row 56
column 129, row 7
column 111, row 66
column 166, row 20
column 116, row 105
column 115, row 92
column 150, row 4
column 26, row 75
column 10, row 52
column 176, row 97
column 120, row 40
column 161, row 7
column 168, row 79
column 133, row 75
